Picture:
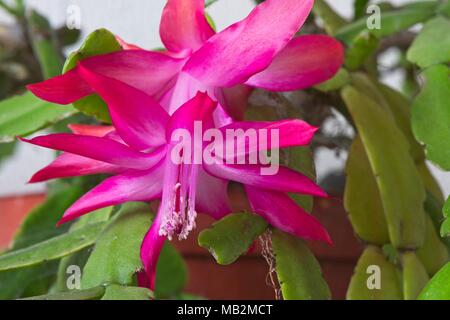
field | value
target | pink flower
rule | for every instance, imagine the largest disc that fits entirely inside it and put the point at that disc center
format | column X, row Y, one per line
column 261, row 51
column 137, row 151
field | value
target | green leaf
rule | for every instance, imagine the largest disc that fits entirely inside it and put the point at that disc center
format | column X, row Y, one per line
column 360, row 8
column 79, row 258
column 390, row 279
column 360, row 49
column 331, row 20
column 430, row 115
column 340, row 79
column 89, row 294
column 26, row 114
column 298, row 271
column 171, row 273
column 115, row 258
column 231, row 237
column 439, row 286
column 433, row 253
column 362, row 198
column 415, row 276
column 445, row 228
column 432, row 45
column 98, row 42
column 391, row 22
column 52, row 249
column 117, row 292
column 401, row 189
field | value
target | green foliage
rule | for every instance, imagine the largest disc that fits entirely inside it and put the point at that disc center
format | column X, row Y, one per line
column 430, row 115
column 445, row 228
column 391, row 22
column 171, row 273
column 362, row 198
column 439, row 286
column 415, row 276
column 98, row 42
column 115, row 258
column 390, row 288
column 298, row 271
column 89, row 294
column 51, row 249
column 340, row 79
column 331, row 20
column 360, row 49
column 432, row 46
column 116, row 292
column 25, row 114
column 232, row 236
column 393, row 167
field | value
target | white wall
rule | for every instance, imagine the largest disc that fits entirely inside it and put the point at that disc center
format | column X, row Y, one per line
column 136, row 21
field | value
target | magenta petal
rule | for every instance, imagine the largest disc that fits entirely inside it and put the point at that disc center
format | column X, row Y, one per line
column 90, row 130
column 249, row 46
column 200, row 108
column 150, row 250
column 304, row 62
column 71, row 165
column 184, row 25
column 131, row 186
column 283, row 213
column 212, row 195
column 137, row 117
column 127, row 46
column 291, row 133
column 101, row 149
column 234, row 100
column 63, row 89
column 285, row 180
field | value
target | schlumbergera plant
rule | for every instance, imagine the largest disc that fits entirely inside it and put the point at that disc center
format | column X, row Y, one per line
column 225, row 123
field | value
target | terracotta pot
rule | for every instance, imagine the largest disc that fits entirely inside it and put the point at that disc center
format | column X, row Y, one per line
column 245, row 279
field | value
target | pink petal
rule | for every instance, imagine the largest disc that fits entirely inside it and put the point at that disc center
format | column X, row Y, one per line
column 212, row 195
column 150, row 250
column 148, row 71
column 304, row 62
column 63, row 89
column 71, row 165
column 234, row 100
column 127, row 46
column 90, row 130
column 283, row 213
column 248, row 47
column 137, row 117
column 200, row 108
column 101, row 149
column 291, row 133
column 285, row 180
column 131, row 186
column 184, row 25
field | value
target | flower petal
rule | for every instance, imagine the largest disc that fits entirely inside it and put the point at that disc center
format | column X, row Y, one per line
column 148, row 71
column 138, row 118
column 283, row 213
column 304, row 62
column 184, row 25
column 90, row 130
column 71, row 165
column 101, row 149
column 130, row 186
column 249, row 46
column 212, row 195
column 127, row 46
column 63, row 89
column 291, row 133
column 285, row 180
column 200, row 108
column 150, row 250
column 234, row 100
